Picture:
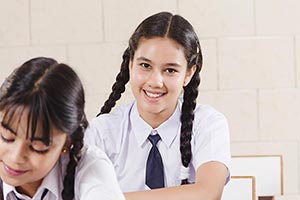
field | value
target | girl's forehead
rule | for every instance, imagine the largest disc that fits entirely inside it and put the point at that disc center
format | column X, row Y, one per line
column 13, row 117
column 21, row 131
column 161, row 49
column 18, row 121
column 165, row 41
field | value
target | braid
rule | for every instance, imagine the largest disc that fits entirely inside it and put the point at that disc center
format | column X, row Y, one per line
column 187, row 115
column 119, row 86
column 75, row 155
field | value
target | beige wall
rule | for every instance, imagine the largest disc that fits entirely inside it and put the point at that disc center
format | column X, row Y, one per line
column 251, row 59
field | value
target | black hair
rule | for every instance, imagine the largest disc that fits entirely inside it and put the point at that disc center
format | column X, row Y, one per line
column 53, row 95
column 177, row 28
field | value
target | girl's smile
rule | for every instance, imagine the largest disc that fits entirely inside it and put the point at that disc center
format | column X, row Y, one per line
column 14, row 172
column 153, row 95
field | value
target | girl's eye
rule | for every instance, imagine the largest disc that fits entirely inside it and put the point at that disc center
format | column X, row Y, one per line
column 171, row 70
column 6, row 136
column 7, row 140
column 44, row 151
column 39, row 147
column 145, row 65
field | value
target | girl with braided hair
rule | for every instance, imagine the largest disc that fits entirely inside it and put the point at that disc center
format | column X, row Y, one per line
column 163, row 140
column 42, row 125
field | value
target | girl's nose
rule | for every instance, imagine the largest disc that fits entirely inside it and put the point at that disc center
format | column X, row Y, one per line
column 18, row 153
column 155, row 80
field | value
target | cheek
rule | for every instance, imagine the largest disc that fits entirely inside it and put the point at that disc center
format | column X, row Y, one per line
column 4, row 149
column 44, row 163
column 137, row 77
column 176, row 83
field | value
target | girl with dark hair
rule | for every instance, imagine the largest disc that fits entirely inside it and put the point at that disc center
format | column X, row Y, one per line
column 163, row 138
column 42, row 124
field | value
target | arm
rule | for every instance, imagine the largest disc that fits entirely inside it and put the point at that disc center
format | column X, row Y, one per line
column 210, row 180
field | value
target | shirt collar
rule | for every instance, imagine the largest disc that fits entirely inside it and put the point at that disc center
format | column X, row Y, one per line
column 7, row 189
column 52, row 182
column 167, row 130
column 140, row 128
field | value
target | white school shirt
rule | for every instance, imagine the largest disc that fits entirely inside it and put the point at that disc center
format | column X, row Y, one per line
column 94, row 179
column 123, row 136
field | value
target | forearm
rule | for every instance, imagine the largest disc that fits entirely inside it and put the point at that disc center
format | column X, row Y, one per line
column 209, row 185
column 186, row 192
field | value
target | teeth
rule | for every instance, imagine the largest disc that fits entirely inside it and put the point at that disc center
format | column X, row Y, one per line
column 153, row 95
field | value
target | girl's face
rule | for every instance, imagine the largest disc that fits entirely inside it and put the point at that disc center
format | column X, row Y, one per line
column 158, row 73
column 24, row 163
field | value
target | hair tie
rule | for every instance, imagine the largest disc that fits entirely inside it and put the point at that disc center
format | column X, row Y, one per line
column 184, row 172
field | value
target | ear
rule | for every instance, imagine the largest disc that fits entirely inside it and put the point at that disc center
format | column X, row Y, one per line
column 189, row 75
column 64, row 151
column 67, row 146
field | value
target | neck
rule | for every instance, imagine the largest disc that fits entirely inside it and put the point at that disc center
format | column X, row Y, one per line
column 29, row 189
column 156, row 119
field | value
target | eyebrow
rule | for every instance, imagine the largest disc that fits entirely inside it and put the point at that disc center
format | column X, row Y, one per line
column 142, row 58
column 8, row 128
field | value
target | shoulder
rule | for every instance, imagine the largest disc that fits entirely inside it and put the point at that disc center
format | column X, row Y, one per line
column 108, row 127
column 111, row 119
column 205, row 114
column 209, row 122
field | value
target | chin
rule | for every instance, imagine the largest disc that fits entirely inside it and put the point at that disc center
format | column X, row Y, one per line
column 155, row 111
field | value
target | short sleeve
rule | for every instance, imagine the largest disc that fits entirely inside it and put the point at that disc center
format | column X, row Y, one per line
column 95, row 178
column 211, row 138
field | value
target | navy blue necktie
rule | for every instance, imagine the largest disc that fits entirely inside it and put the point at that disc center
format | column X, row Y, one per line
column 154, row 168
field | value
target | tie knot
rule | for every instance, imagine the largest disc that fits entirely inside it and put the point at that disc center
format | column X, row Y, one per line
column 154, row 139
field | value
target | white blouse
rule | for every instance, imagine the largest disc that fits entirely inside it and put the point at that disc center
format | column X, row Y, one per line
column 123, row 136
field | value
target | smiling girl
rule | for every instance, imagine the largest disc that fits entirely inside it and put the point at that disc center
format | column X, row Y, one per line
column 163, row 141
column 42, row 124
